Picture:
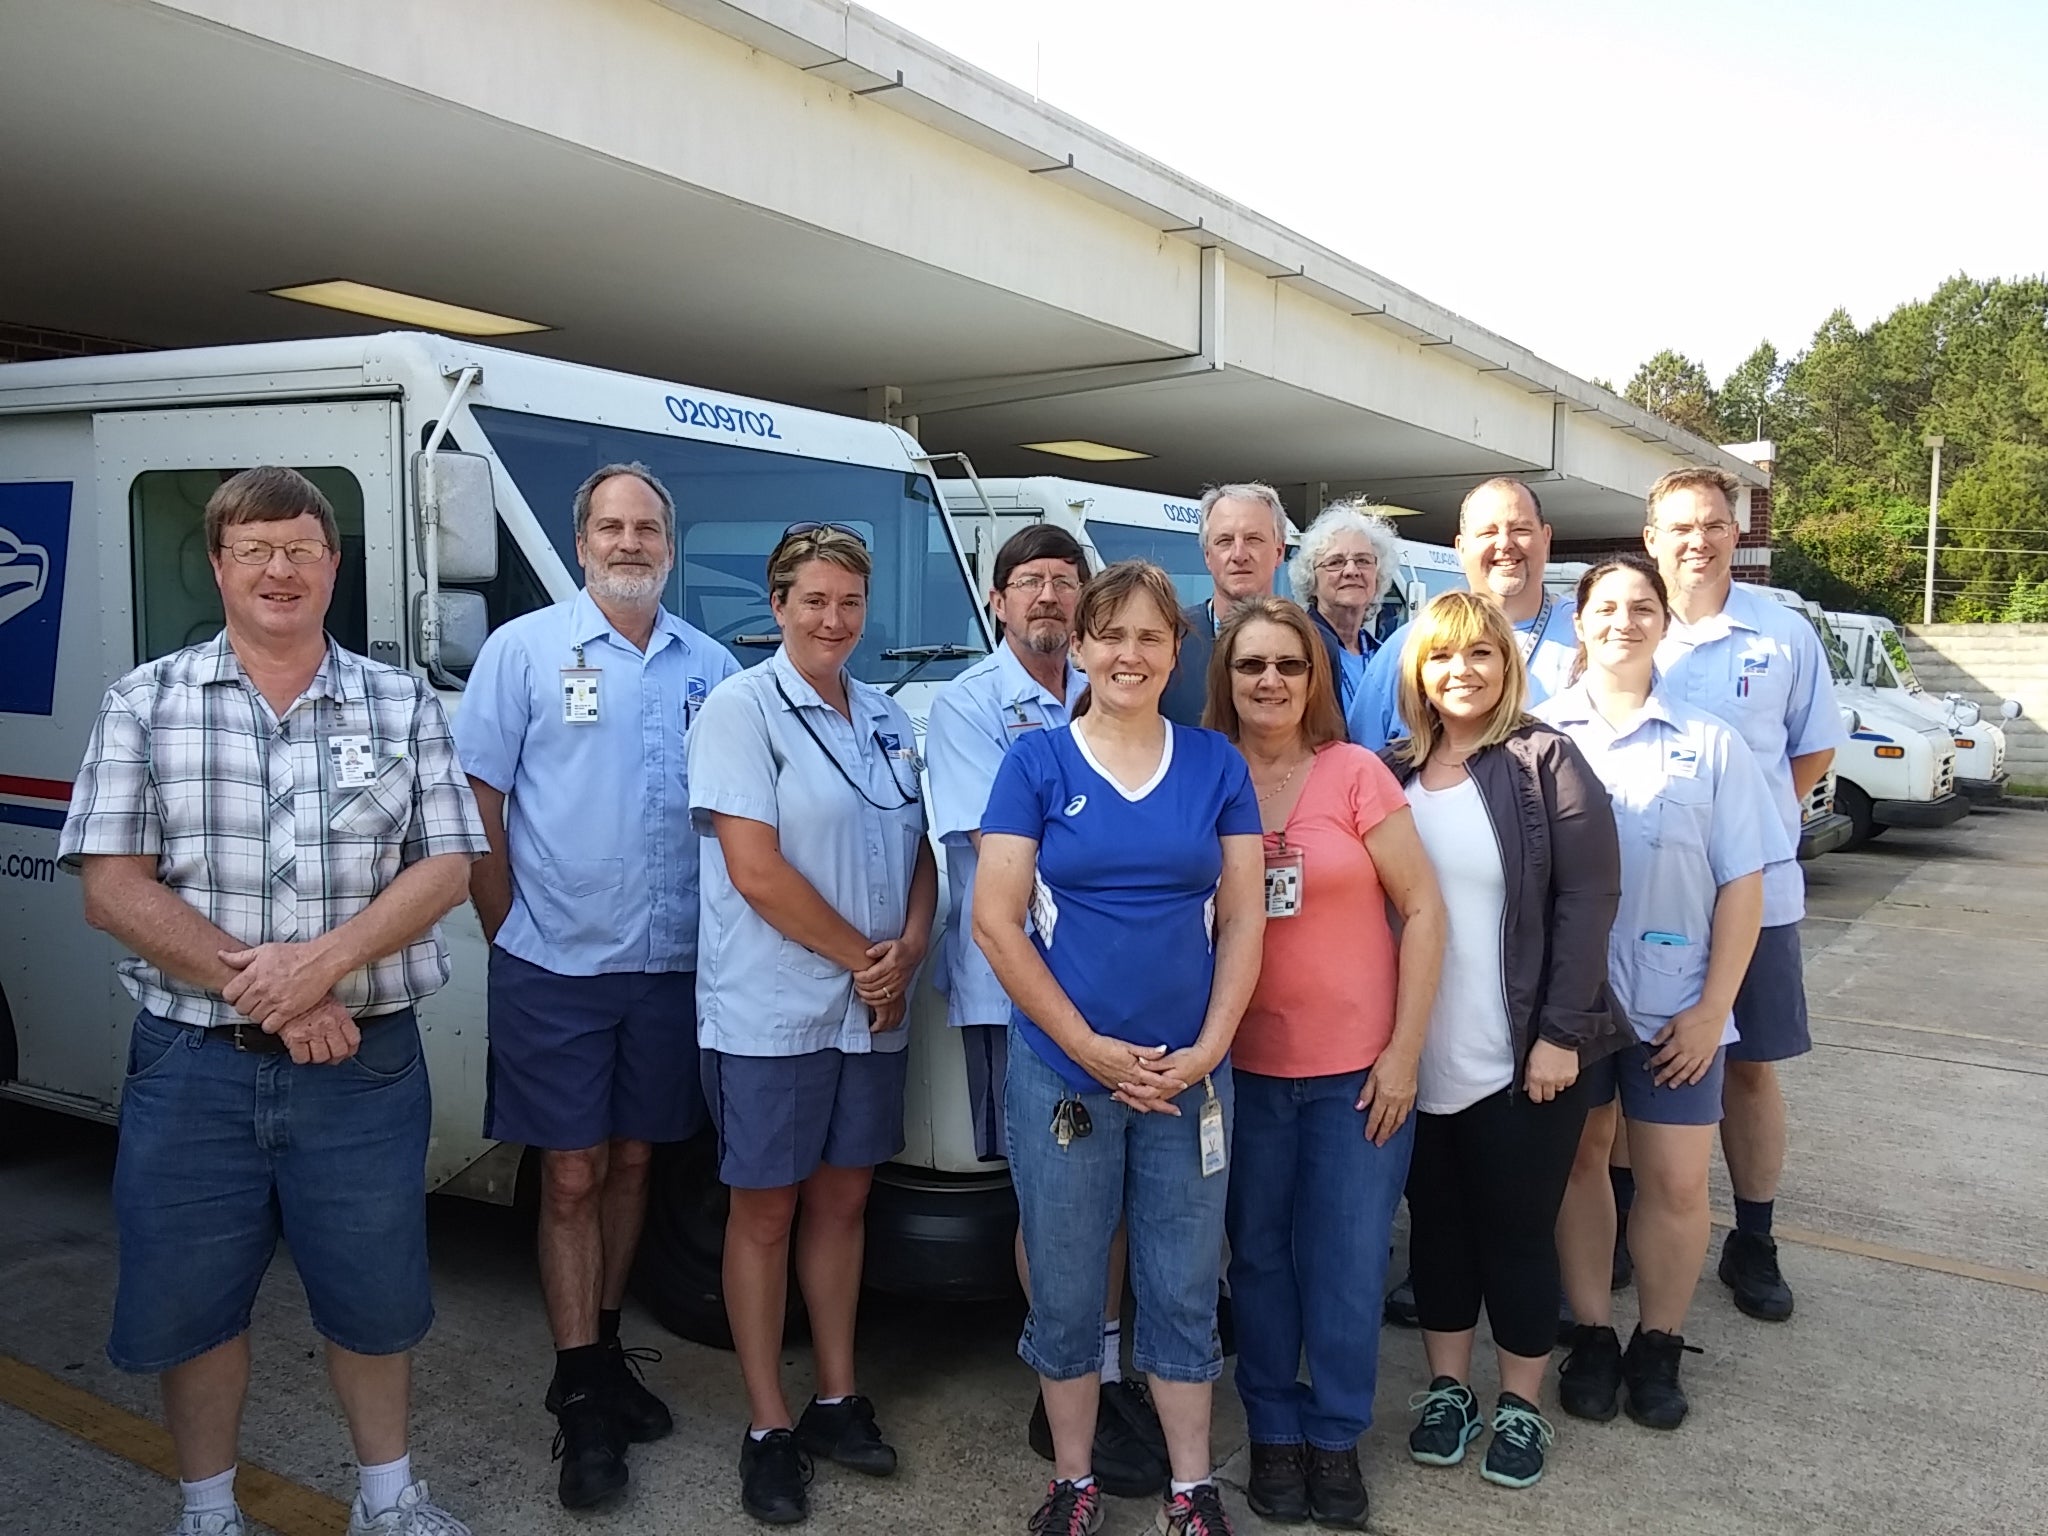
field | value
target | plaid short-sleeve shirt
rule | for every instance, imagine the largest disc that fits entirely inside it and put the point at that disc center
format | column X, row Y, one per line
column 256, row 822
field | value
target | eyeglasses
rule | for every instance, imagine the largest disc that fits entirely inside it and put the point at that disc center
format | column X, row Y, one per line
column 820, row 531
column 1255, row 666
column 259, row 551
column 1062, row 586
column 1337, row 563
column 1718, row 528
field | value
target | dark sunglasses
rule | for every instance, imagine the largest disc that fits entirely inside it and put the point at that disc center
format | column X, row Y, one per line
column 1255, row 666
column 815, row 530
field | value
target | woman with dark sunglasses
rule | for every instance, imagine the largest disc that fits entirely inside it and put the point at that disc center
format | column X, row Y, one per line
column 1325, row 1061
column 818, row 892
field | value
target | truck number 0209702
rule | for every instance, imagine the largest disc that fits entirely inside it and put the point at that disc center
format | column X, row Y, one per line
column 721, row 418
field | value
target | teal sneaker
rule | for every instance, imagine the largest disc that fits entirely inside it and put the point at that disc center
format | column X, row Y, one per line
column 1450, row 1422
column 1515, row 1457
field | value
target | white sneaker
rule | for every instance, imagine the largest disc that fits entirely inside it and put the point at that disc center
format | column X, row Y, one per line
column 190, row 1524
column 414, row 1515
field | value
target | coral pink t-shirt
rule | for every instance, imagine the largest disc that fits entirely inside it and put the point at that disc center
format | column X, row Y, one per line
column 1325, row 999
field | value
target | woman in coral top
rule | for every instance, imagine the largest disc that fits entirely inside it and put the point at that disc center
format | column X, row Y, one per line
column 1325, row 1060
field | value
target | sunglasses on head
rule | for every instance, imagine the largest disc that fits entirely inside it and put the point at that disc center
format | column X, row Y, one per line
column 819, row 531
column 1255, row 666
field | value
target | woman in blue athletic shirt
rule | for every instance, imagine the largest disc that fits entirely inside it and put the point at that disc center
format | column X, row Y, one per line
column 1132, row 848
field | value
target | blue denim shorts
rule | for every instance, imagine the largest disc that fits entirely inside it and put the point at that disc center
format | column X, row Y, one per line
column 1144, row 1170
column 578, row 1060
column 223, row 1151
column 1629, row 1073
column 1770, row 1005
column 779, row 1117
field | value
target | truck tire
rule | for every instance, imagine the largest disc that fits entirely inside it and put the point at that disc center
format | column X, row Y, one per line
column 678, row 1274
column 950, row 1237
column 1855, row 805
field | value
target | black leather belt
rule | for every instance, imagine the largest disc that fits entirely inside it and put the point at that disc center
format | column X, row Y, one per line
column 245, row 1035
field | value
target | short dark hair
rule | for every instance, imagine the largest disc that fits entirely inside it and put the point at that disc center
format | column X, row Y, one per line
column 580, row 507
column 1117, row 585
column 1694, row 477
column 1628, row 560
column 1503, row 483
column 1041, row 541
column 269, row 493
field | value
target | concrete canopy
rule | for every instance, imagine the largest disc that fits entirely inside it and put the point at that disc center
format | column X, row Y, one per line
column 787, row 198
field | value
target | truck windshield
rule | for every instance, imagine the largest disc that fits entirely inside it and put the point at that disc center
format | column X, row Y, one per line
column 732, row 505
column 1902, row 664
column 1838, row 657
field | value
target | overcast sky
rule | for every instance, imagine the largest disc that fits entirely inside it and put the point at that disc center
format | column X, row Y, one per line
column 1593, row 179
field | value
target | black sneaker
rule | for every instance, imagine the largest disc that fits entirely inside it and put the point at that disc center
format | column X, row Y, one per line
column 1198, row 1512
column 1589, row 1381
column 1129, row 1454
column 640, row 1415
column 1749, row 1267
column 846, row 1432
column 1650, row 1369
column 1336, row 1491
column 1450, row 1422
column 591, row 1450
column 1278, row 1486
column 1514, row 1458
column 1624, row 1264
column 1068, row 1511
column 774, row 1476
column 1399, row 1307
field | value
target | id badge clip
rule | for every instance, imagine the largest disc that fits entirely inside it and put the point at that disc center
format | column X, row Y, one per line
column 1215, row 1154
column 1283, row 879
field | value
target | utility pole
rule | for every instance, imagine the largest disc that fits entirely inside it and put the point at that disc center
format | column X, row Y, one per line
column 1935, row 441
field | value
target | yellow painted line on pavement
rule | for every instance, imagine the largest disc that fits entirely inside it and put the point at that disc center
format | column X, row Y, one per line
column 1932, row 1029
column 1912, row 1258
column 286, row 1507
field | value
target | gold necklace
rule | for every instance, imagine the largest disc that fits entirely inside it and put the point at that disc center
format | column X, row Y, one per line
column 1270, row 793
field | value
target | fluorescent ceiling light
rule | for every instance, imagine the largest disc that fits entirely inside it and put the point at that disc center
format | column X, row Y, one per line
column 1081, row 448
column 1381, row 509
column 407, row 309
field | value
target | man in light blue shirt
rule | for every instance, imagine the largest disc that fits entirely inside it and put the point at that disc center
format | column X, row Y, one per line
column 1504, row 544
column 1760, row 667
column 572, row 733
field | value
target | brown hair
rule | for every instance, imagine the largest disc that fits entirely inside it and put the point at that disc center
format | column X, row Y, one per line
column 1643, row 566
column 1116, row 585
column 1452, row 622
column 1695, row 477
column 829, row 544
column 1322, row 721
column 269, row 493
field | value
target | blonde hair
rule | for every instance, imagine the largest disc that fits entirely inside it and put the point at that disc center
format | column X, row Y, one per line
column 1456, row 621
column 829, row 544
column 1322, row 721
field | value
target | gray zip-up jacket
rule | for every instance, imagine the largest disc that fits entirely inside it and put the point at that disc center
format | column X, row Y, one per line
column 1555, row 825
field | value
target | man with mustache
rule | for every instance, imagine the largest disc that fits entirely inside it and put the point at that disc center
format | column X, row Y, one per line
column 572, row 732
column 1244, row 539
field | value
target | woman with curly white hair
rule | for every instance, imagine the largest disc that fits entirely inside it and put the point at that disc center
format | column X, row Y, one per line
column 1341, row 571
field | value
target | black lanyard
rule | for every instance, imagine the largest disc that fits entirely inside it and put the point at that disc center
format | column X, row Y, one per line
column 910, row 796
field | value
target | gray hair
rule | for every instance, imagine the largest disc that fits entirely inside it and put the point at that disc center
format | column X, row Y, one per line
column 639, row 472
column 1249, row 490
column 1350, row 516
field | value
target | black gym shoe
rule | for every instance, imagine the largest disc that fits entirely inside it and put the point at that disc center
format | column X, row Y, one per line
column 1198, row 1512
column 1589, row 1381
column 640, row 1415
column 1624, row 1265
column 1650, row 1370
column 846, row 1432
column 1749, row 1267
column 1514, row 1457
column 1450, row 1422
column 1068, row 1511
column 1336, row 1491
column 1129, row 1453
column 775, row 1475
column 590, row 1448
column 1278, row 1486
column 1399, row 1307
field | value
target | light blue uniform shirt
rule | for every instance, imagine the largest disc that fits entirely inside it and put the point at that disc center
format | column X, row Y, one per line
column 758, row 993
column 975, row 719
column 1692, row 812
column 1374, row 717
column 604, row 864
column 1760, row 667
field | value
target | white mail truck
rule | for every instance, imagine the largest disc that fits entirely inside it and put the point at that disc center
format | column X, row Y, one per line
column 1878, row 660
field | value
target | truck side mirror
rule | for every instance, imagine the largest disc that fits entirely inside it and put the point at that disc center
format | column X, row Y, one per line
column 2011, row 709
column 464, row 623
column 1415, row 595
column 455, row 497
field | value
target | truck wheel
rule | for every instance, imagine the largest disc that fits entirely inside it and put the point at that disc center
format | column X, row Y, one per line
column 678, row 1273
column 1855, row 805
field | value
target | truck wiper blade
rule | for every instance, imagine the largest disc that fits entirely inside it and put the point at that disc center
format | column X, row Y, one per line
column 924, row 656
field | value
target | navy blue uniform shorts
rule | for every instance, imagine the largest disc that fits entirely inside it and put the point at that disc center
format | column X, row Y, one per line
column 780, row 1117
column 1770, row 1007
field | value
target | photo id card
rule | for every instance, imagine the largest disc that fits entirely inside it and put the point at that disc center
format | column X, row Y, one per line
column 1283, row 881
column 579, row 694
column 1215, row 1155
column 350, row 762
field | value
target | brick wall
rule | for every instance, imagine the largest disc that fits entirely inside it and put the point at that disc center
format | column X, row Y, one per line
column 36, row 343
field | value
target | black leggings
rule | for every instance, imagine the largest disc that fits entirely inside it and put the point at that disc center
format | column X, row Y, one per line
column 1483, row 1194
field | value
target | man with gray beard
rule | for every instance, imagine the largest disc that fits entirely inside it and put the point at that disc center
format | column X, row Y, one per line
column 572, row 733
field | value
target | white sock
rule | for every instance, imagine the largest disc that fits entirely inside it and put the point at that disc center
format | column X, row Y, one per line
column 210, row 1495
column 1112, row 1352
column 828, row 1402
column 382, row 1485
column 758, row 1435
column 1180, row 1487
column 1082, row 1482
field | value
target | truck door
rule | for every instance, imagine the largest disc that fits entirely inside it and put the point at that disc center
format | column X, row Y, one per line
column 154, row 470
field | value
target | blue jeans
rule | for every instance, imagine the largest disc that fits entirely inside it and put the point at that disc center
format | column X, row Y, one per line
column 1311, row 1207
column 222, row 1152
column 1144, row 1170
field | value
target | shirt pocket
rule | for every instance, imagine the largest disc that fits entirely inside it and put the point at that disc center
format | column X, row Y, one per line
column 382, row 809
column 577, row 904
column 1682, row 816
column 796, row 958
column 1669, row 978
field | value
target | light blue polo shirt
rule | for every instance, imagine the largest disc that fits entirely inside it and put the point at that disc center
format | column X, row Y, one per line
column 604, row 864
column 1759, row 666
column 768, row 748
column 975, row 719
column 1692, row 813
column 1374, row 718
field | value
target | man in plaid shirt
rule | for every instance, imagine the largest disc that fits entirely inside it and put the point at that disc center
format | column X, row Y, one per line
column 273, row 826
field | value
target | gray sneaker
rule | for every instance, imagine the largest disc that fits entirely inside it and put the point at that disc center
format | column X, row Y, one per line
column 413, row 1515
column 190, row 1524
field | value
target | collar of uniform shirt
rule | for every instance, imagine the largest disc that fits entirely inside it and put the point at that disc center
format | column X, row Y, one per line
column 1575, row 707
column 1026, row 689
column 587, row 623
